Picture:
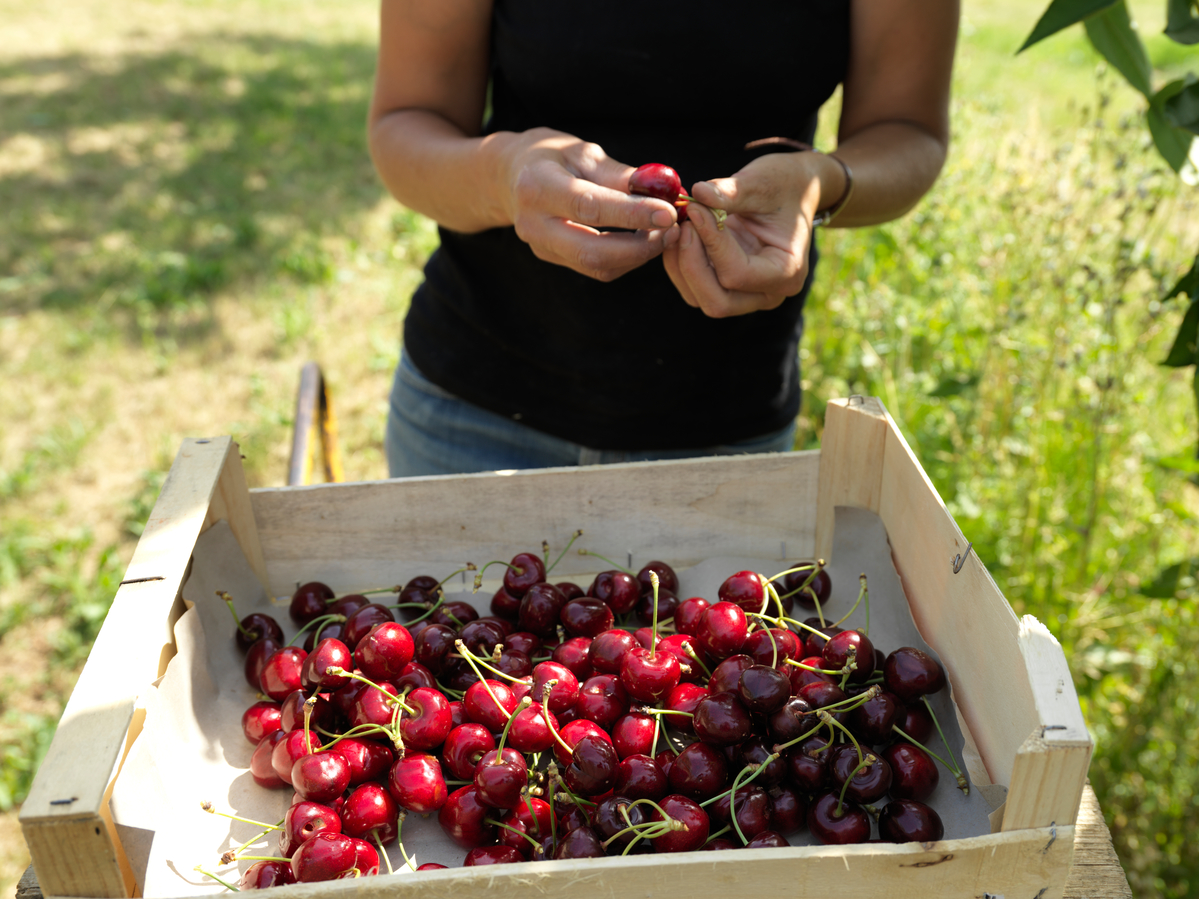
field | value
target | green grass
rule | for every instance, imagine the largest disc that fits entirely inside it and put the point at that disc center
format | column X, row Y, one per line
column 204, row 203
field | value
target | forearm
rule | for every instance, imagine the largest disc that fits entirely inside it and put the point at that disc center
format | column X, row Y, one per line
column 893, row 163
column 431, row 166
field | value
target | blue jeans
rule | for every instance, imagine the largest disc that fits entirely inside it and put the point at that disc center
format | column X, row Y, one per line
column 432, row 431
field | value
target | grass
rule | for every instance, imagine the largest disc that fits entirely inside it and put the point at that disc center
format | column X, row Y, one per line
column 190, row 214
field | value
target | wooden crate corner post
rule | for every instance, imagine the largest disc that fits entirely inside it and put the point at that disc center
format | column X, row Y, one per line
column 65, row 819
column 851, row 462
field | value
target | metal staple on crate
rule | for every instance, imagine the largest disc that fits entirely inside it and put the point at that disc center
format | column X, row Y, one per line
column 960, row 558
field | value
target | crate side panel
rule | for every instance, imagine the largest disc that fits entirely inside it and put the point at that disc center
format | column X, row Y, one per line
column 75, row 857
column 1025, row 864
column 682, row 512
column 962, row 616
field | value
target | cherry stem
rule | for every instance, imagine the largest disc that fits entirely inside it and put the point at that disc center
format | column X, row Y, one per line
column 957, row 772
column 470, row 660
column 429, row 611
column 587, row 552
column 479, row 577
column 829, row 671
column 338, row 671
column 829, row 719
column 545, row 713
column 653, row 640
column 400, row 838
column 851, row 665
column 718, row 834
column 786, row 620
column 866, row 762
column 495, row 823
column 552, row 771
column 469, row 566
column 208, row 807
column 687, row 648
column 573, row 537
column 524, row 703
column 219, row 880
column 774, row 648
column 382, row 851
column 782, row 746
column 371, row 592
column 317, row 623
column 861, row 594
column 579, row 801
column 461, row 647
column 232, row 611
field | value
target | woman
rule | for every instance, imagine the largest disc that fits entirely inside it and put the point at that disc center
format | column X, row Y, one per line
column 547, row 331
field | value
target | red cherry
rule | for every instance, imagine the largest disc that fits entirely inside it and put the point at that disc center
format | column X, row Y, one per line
column 265, row 874
column 656, row 180
column 602, row 699
column 722, row 720
column 574, row 654
column 326, row 856
column 909, row 821
column 320, row 776
column 649, row 677
column 309, row 601
column 910, row 673
column 687, row 614
column 699, row 771
column 260, row 720
column 695, row 825
column 327, row 654
column 371, row 811
column 304, row 820
column 429, row 722
column 417, row 784
column 291, row 748
column 563, row 694
column 368, row 759
column 464, row 747
column 618, row 589
column 852, row 825
column 667, row 579
column 914, row 774
column 633, row 734
column 529, row 732
column 281, row 672
column 385, row 651
column 525, row 570
column 261, row 768
column 481, row 704
column 639, row 777
column 608, row 649
column 840, row 647
column 359, row 623
column 492, row 855
column 721, row 630
column 747, row 589
column 463, row 817
column 499, row 778
column 819, row 589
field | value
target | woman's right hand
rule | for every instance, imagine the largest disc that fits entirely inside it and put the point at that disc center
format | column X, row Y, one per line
column 563, row 194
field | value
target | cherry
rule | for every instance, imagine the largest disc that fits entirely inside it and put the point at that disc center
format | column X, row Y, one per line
column 574, row 731
column 525, row 570
column 492, row 855
column 719, row 843
column 755, row 753
column 684, row 698
column 752, row 809
column 433, row 645
column 788, row 808
column 385, row 651
column 801, row 677
column 814, row 642
column 309, row 601
column 289, row 749
column 366, row 859
column 325, row 856
column 455, row 614
column 667, row 579
column 667, row 604
column 529, row 732
column 868, row 783
column 429, row 722
column 513, row 663
column 265, row 874
column 819, row 588
column 563, row 694
column 368, row 759
column 417, row 784
column 582, row 842
column 499, row 778
column 764, row 690
column 574, row 654
column 261, row 768
column 618, row 589
column 688, row 613
column 320, row 776
column 727, row 675
column 840, row 647
column 820, row 695
column 721, row 719
column 256, row 659
column 586, row 617
column 872, row 721
column 431, row 866
column 369, row 812
column 649, row 675
column 359, row 623
column 260, row 720
column 329, row 630
column 767, row 839
column 281, row 673
column 541, row 609
column 463, row 817
column 610, row 820
column 909, row 821
column 504, row 604
column 910, row 673
column 374, row 705
column 916, row 722
column 607, row 651
column 656, row 180
column 482, row 636
column 699, row 771
column 772, row 646
column 633, row 734
column 481, row 704
column 304, row 820
column 592, row 767
column 415, row 675
column 694, row 820
column 721, row 630
column 794, row 719
column 291, row 712
column 807, row 764
column 914, row 774
column 315, row 670
column 602, row 699
column 254, row 627
column 747, row 589
column 851, row 825
column 347, row 605
column 639, row 777
column 464, row 747
column 523, row 641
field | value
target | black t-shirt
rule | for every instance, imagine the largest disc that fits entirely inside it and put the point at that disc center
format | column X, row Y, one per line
column 628, row 364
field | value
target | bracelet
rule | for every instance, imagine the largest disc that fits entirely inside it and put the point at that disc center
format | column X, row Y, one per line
column 821, row 218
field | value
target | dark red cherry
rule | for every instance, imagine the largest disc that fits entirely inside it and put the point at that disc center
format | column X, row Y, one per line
column 575, row 655
column 280, row 674
column 639, row 777
column 695, row 822
column 310, row 601
column 667, row 604
column 304, row 820
column 359, row 623
column 482, row 636
column 699, row 771
column 525, row 570
column 492, row 855
column 909, row 821
column 721, row 719
column 871, row 776
column 417, row 784
column 602, row 699
column 616, row 588
column 610, row 815
column 586, row 617
column 667, row 579
column 433, row 645
column 914, row 775
column 504, row 604
column 910, row 673
column 455, row 614
column 819, row 587
column 767, row 839
column 807, row 764
column 916, row 722
column 541, row 609
column 607, row 651
column 752, row 809
column 841, row 647
column 592, row 767
column 727, row 675
column 791, row 721
column 254, row 627
column 265, row 874
column 788, row 808
column 582, row 842
column 872, row 720
column 833, row 824
column 764, row 690
column 721, row 630
column 256, row 658
column 771, row 646
column 747, row 589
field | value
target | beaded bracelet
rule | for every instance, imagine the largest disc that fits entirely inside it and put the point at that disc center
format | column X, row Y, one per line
column 827, row 215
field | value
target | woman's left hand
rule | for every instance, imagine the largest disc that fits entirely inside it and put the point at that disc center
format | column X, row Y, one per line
column 760, row 255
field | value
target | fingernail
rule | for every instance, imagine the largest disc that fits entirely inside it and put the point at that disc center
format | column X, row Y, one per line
column 662, row 219
column 712, row 187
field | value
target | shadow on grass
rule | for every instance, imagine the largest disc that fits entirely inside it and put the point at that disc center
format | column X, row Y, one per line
column 148, row 182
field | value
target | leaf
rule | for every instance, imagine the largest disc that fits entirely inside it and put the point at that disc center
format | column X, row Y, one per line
column 1165, row 585
column 1185, row 464
column 1182, row 110
column 1181, row 24
column 1174, row 144
column 1112, row 34
column 1062, row 14
column 1186, row 342
column 1187, row 285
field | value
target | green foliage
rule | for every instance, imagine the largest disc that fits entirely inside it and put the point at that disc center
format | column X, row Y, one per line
column 1014, row 336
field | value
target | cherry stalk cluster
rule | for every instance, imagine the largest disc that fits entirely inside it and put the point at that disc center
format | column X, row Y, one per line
column 578, row 724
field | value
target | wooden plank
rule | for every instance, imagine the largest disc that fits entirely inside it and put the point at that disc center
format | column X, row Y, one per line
column 64, row 818
column 1047, row 782
column 851, row 463
column 361, row 534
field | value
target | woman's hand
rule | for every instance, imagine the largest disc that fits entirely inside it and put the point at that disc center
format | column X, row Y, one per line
column 561, row 191
column 758, row 256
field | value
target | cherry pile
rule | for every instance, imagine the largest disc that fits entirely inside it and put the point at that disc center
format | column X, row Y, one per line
column 577, row 724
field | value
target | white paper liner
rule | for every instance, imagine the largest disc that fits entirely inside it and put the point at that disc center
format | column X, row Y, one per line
column 192, row 748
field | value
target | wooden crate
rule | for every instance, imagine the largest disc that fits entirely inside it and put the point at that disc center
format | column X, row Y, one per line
column 1010, row 676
